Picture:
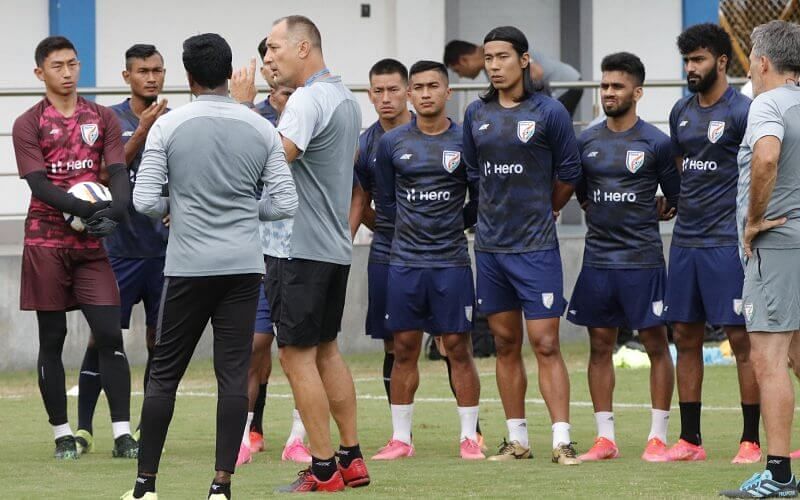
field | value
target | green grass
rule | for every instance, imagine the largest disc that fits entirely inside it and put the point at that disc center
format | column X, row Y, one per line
column 27, row 469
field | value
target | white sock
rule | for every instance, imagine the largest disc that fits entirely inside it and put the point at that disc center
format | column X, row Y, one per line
column 62, row 430
column 518, row 430
column 246, row 435
column 659, row 420
column 469, row 422
column 560, row 434
column 401, row 422
column 120, row 428
column 298, row 429
column 605, row 424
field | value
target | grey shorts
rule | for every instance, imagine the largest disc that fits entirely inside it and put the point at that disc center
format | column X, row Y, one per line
column 771, row 293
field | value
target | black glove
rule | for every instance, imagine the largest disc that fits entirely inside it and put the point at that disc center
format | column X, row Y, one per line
column 95, row 208
column 100, row 227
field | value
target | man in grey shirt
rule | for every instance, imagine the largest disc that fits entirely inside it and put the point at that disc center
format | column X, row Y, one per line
column 319, row 128
column 768, row 214
column 213, row 152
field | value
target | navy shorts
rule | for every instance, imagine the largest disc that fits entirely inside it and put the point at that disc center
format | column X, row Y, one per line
column 704, row 284
column 530, row 281
column 139, row 280
column 263, row 319
column 606, row 298
column 434, row 300
column 377, row 283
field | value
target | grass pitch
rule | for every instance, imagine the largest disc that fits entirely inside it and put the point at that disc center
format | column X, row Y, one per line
column 27, row 469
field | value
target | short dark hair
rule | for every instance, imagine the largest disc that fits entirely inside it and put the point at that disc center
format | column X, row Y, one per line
column 625, row 62
column 389, row 66
column 140, row 51
column 207, row 58
column 455, row 49
column 421, row 66
column 262, row 48
column 519, row 42
column 706, row 36
column 50, row 45
column 304, row 24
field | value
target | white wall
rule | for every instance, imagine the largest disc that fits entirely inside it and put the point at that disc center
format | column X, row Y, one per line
column 405, row 29
column 647, row 29
column 22, row 26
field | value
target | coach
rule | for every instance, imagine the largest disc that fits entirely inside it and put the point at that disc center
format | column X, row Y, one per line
column 319, row 128
column 768, row 209
column 213, row 152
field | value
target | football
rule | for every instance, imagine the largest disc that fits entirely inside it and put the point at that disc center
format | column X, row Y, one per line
column 89, row 191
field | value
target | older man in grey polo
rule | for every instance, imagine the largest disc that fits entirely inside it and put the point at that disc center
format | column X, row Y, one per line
column 213, row 152
column 768, row 212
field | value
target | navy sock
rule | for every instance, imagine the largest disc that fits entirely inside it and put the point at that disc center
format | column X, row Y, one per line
column 89, row 387
column 750, row 417
column 258, row 410
column 690, row 422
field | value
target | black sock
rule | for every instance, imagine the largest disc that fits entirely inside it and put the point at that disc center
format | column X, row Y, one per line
column 750, row 417
column 323, row 469
column 690, row 422
column 347, row 454
column 89, row 387
column 453, row 388
column 780, row 467
column 388, row 363
column 217, row 488
column 144, row 484
column 258, row 410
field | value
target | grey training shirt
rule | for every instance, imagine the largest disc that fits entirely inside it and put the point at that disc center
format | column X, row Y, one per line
column 774, row 113
column 213, row 152
column 323, row 120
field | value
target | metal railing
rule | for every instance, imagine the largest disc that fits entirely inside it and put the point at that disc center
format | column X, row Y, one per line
column 358, row 88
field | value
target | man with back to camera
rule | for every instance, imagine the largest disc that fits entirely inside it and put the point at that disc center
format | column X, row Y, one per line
column 136, row 249
column 521, row 147
column 214, row 153
column 768, row 223
column 621, row 284
column 244, row 91
column 58, row 143
column 422, row 189
column 319, row 130
column 466, row 60
column 704, row 282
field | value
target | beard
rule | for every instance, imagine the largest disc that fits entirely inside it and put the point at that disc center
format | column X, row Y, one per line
column 150, row 99
column 621, row 109
column 704, row 83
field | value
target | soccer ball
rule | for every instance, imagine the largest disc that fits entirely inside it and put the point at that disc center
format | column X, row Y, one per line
column 88, row 191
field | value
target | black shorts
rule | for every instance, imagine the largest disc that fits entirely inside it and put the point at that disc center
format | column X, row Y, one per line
column 306, row 298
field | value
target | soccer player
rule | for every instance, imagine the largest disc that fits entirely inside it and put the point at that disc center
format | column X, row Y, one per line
column 704, row 284
column 388, row 93
column 61, row 141
column 244, row 91
column 622, row 280
column 137, row 248
column 520, row 145
column 306, row 290
column 467, row 60
column 214, row 153
column 422, row 188
column 768, row 205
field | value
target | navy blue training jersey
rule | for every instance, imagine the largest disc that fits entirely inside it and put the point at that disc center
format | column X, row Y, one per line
column 381, row 246
column 708, row 141
column 621, row 174
column 138, row 236
column 516, row 154
column 265, row 109
column 422, row 185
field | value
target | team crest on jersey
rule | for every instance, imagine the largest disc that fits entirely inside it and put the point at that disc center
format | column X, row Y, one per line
column 451, row 160
column 547, row 300
column 715, row 130
column 89, row 133
column 737, row 306
column 748, row 311
column 468, row 312
column 634, row 160
column 658, row 307
column 525, row 130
